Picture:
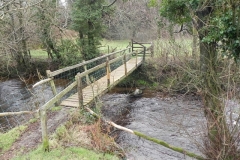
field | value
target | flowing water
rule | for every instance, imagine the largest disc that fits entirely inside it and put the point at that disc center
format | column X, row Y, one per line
column 176, row 120
column 17, row 95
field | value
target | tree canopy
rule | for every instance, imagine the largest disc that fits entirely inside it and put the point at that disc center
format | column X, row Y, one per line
column 223, row 20
column 87, row 21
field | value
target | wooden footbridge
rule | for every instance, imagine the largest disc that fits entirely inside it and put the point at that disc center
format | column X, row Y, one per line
column 95, row 77
column 90, row 79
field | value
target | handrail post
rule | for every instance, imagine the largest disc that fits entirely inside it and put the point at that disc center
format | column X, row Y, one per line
column 144, row 53
column 79, row 89
column 130, row 47
column 108, row 71
column 45, row 141
column 125, row 63
column 48, row 72
column 87, row 76
column 132, row 44
column 136, row 58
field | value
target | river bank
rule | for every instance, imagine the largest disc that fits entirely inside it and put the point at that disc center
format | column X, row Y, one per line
column 152, row 114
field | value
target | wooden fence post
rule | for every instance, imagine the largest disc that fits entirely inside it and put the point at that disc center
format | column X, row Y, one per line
column 136, row 58
column 52, row 86
column 79, row 89
column 108, row 71
column 45, row 141
column 132, row 44
column 130, row 47
column 144, row 54
column 125, row 63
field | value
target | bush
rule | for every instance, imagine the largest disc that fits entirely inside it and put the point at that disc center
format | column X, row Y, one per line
column 70, row 53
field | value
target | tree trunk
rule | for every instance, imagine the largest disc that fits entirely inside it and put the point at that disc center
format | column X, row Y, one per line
column 82, row 45
column 92, row 51
column 218, row 133
column 47, row 40
column 195, row 45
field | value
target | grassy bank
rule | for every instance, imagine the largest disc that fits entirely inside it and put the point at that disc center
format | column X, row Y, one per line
column 69, row 153
column 80, row 137
column 7, row 139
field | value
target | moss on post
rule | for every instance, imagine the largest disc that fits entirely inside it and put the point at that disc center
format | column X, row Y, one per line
column 45, row 141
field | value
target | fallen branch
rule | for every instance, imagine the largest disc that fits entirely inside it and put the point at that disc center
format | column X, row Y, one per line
column 180, row 150
column 16, row 113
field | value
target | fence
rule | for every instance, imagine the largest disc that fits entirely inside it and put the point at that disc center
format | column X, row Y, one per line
column 68, row 80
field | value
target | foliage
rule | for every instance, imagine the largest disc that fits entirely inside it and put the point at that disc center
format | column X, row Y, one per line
column 44, row 18
column 175, row 11
column 69, row 52
column 87, row 20
column 226, row 30
column 211, row 17
column 223, row 27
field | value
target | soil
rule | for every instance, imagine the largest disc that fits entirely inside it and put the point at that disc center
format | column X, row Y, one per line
column 32, row 136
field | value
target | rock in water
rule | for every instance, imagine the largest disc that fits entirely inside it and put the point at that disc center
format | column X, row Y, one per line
column 136, row 93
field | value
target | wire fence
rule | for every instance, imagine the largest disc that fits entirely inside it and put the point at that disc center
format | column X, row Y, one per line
column 18, row 97
column 20, row 101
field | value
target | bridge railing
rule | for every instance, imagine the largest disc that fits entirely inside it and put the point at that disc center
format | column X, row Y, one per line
column 143, row 46
column 90, row 71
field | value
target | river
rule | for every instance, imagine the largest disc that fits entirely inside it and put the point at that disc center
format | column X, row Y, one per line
column 178, row 120
column 18, row 95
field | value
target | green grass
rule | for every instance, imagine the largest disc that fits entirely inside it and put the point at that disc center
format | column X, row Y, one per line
column 7, row 139
column 71, row 153
column 56, row 108
column 118, row 44
column 41, row 54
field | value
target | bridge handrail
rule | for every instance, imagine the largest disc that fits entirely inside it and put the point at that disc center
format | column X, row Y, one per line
column 103, row 65
column 54, row 73
column 78, row 82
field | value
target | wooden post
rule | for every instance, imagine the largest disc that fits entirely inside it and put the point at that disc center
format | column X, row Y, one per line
column 87, row 76
column 130, row 47
column 132, row 44
column 144, row 54
column 108, row 71
column 125, row 63
column 79, row 89
column 52, row 86
column 45, row 141
column 136, row 58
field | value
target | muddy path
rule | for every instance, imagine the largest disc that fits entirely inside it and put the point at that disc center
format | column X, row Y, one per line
column 177, row 120
column 32, row 137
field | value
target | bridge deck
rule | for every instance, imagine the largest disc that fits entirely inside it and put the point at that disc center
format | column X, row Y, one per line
column 100, row 86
